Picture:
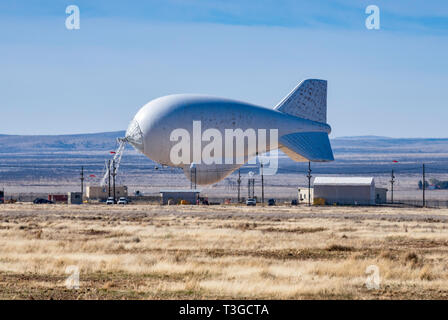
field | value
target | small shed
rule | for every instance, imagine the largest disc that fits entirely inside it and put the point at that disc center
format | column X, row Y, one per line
column 74, row 198
column 380, row 195
column 190, row 195
column 303, row 194
column 345, row 190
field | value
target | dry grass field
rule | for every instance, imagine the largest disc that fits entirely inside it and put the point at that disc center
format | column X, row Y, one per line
column 190, row 252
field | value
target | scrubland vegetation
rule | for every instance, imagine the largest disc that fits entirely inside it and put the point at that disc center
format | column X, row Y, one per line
column 189, row 252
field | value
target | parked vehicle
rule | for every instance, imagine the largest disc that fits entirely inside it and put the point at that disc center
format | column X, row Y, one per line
column 123, row 200
column 110, row 200
column 40, row 201
column 251, row 202
column 294, row 202
column 203, row 200
column 271, row 202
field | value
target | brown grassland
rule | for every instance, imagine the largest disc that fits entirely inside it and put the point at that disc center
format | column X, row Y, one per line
column 229, row 252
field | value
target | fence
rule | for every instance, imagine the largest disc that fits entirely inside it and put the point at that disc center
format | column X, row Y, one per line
column 419, row 203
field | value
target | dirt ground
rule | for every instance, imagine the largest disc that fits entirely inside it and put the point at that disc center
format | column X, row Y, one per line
column 229, row 252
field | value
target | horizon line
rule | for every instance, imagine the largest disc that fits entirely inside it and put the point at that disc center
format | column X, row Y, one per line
column 117, row 131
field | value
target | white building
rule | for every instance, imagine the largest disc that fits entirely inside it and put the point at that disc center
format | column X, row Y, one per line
column 304, row 194
column 343, row 191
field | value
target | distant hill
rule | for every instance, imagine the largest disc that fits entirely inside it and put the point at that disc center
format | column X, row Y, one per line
column 54, row 158
column 373, row 144
column 50, row 143
column 107, row 140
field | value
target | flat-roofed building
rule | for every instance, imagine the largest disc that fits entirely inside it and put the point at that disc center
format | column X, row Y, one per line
column 74, row 198
column 176, row 196
column 304, row 195
column 345, row 190
column 102, row 192
column 380, row 195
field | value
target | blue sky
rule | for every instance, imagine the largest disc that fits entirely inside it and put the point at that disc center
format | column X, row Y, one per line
column 388, row 82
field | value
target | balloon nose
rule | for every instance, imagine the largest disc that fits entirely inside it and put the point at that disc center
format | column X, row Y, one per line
column 134, row 136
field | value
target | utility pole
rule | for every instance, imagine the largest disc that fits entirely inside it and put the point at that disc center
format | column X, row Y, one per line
column 82, row 181
column 114, row 173
column 239, row 185
column 262, row 184
column 392, row 181
column 192, row 170
column 424, row 186
column 309, row 183
column 195, row 177
column 108, row 172
column 251, row 186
